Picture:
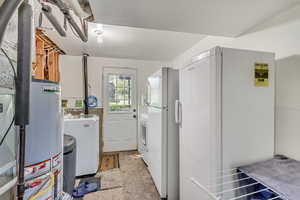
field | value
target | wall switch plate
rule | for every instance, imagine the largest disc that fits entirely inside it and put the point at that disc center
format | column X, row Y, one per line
column 1, row 107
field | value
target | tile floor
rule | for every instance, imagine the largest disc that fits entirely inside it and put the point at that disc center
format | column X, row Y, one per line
column 131, row 181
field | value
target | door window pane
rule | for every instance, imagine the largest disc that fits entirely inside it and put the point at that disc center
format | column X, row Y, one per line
column 120, row 93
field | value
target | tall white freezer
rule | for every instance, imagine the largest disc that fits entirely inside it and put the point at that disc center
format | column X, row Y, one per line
column 227, row 108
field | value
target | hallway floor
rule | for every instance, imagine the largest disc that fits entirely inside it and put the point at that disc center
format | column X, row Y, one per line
column 131, row 181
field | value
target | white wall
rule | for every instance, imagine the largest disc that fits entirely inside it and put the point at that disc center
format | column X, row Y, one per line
column 279, row 34
column 72, row 77
column 288, row 107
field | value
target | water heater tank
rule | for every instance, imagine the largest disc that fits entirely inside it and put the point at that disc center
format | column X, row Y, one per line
column 43, row 156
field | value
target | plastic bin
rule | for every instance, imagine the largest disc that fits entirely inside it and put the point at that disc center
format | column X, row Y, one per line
column 69, row 163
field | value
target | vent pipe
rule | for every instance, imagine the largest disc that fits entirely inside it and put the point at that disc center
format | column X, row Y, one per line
column 85, row 83
column 62, row 6
column 48, row 12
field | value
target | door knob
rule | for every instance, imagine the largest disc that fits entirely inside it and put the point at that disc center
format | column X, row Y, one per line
column 134, row 116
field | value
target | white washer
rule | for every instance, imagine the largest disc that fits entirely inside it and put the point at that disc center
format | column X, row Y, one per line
column 86, row 132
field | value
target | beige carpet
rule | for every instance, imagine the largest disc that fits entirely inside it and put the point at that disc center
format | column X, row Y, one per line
column 131, row 181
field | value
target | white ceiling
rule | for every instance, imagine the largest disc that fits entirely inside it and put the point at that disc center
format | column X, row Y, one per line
column 166, row 28
column 127, row 42
column 122, row 42
column 212, row 17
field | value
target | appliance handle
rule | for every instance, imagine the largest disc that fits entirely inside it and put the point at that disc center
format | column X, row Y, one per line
column 178, row 112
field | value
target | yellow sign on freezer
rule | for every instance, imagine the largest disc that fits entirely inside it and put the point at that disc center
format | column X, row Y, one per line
column 261, row 74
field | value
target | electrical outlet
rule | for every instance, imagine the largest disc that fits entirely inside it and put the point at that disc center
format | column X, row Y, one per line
column 1, row 107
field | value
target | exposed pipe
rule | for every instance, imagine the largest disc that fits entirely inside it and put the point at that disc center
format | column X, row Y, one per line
column 48, row 12
column 75, row 6
column 23, row 86
column 61, row 5
column 7, row 10
column 72, row 22
column 22, row 149
column 85, row 27
column 85, row 82
column 23, row 64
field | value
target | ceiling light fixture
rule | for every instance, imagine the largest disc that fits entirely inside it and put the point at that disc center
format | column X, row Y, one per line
column 100, row 39
column 99, row 33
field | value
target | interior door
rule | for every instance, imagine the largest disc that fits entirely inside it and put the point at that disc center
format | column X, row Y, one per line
column 120, row 109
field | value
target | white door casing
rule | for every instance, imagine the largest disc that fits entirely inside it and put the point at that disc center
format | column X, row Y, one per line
column 120, row 109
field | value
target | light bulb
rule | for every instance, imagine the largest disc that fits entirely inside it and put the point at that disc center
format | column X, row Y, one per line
column 100, row 38
column 100, row 27
column 99, row 33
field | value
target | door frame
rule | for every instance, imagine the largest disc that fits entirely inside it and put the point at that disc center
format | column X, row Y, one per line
column 136, row 96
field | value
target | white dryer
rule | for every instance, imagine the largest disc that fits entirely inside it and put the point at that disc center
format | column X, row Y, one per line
column 86, row 132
